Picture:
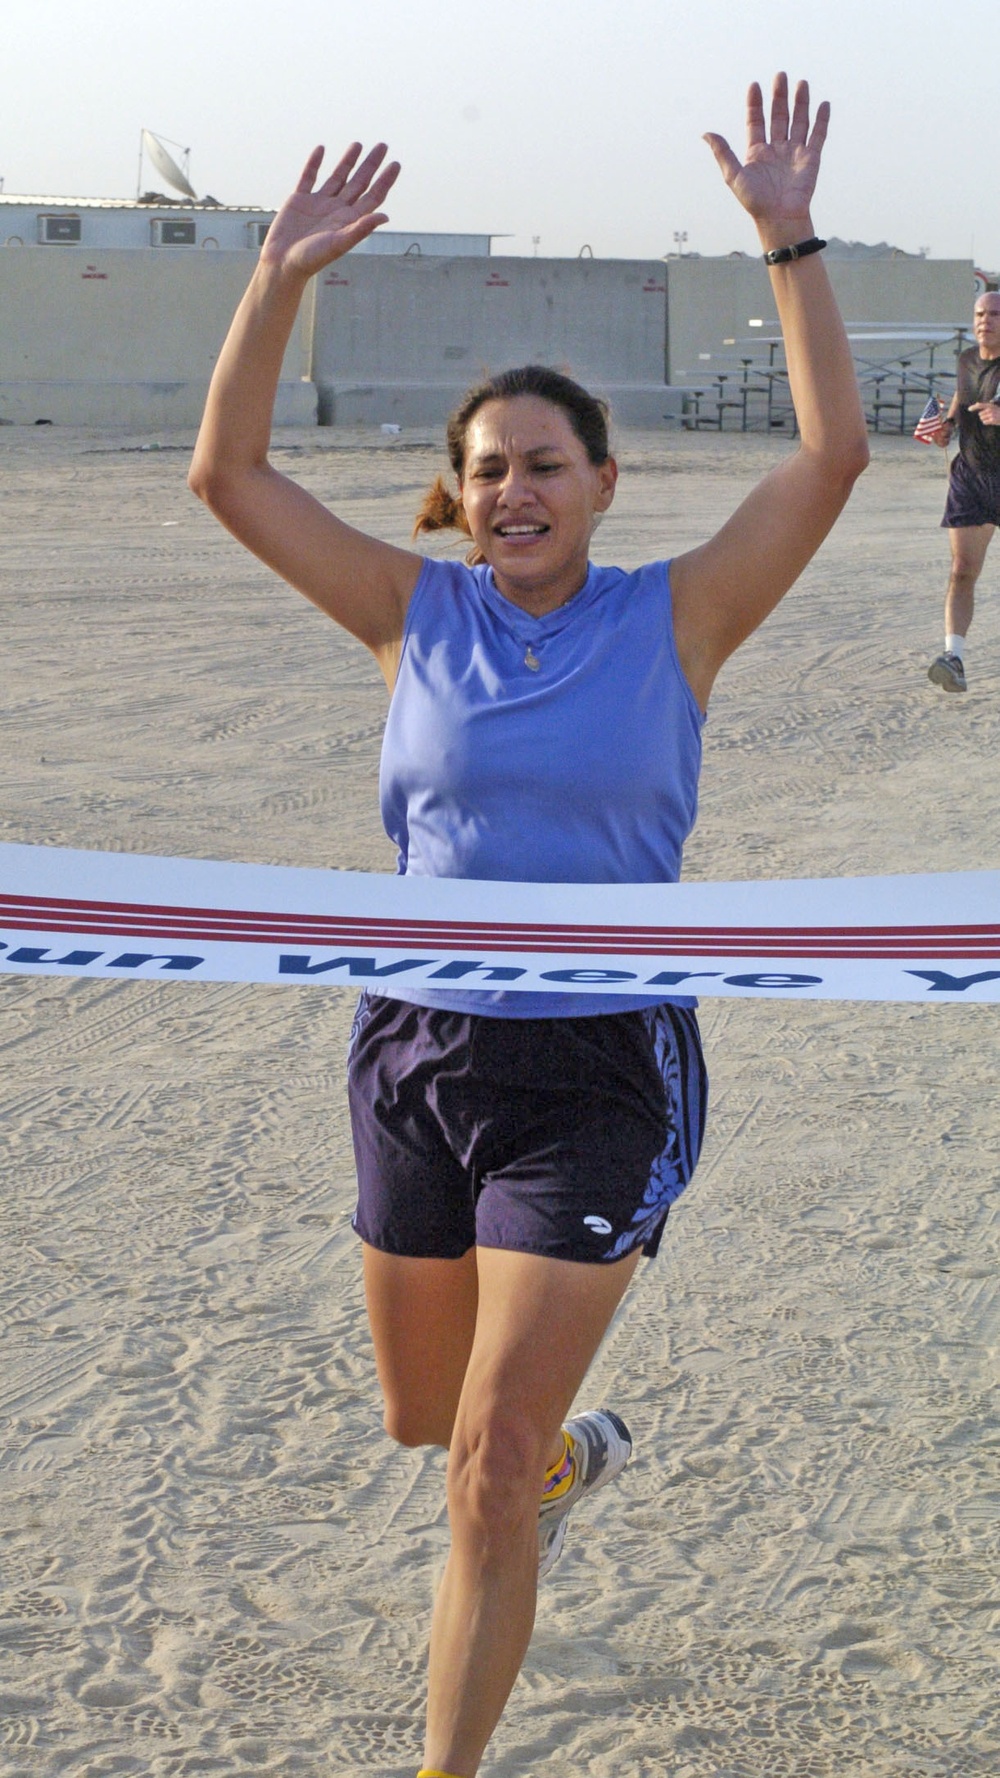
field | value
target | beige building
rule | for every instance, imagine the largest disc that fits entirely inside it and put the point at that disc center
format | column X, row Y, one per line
column 112, row 332
column 125, row 338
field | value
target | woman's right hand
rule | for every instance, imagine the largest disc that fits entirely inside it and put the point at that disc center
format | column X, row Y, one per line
column 360, row 582
column 313, row 228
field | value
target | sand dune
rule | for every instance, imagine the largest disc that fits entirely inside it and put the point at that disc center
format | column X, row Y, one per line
column 212, row 1560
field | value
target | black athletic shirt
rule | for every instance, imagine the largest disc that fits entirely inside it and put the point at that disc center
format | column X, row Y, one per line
column 977, row 381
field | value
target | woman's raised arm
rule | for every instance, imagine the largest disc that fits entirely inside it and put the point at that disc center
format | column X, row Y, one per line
column 724, row 589
column 360, row 582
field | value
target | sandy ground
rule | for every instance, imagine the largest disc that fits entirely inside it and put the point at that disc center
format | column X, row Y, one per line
column 212, row 1561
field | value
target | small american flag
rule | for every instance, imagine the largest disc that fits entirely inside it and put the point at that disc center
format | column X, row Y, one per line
column 929, row 425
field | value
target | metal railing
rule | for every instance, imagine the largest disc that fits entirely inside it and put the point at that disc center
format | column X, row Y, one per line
column 751, row 394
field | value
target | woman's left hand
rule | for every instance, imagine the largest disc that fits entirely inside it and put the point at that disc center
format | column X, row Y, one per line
column 777, row 180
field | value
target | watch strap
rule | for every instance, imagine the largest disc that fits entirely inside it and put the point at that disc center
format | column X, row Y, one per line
column 785, row 255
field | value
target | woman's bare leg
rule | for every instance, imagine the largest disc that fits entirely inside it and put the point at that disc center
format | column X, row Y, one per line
column 539, row 1324
column 422, row 1314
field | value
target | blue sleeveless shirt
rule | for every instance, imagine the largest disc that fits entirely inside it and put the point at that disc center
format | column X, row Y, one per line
column 556, row 749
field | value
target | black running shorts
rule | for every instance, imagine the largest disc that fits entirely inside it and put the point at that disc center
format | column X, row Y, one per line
column 973, row 497
column 564, row 1137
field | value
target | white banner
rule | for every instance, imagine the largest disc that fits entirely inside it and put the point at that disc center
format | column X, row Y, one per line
column 106, row 914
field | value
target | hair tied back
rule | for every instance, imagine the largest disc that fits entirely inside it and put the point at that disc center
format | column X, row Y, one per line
column 441, row 510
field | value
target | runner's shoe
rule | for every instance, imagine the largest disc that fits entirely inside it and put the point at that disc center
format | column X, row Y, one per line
column 601, row 1446
column 947, row 671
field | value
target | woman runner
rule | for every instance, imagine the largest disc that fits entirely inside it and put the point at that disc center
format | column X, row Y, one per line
column 517, row 1152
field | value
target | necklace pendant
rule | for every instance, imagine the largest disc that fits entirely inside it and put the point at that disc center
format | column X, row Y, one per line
column 531, row 659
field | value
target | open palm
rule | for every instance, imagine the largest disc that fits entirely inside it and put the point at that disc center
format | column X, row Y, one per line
column 776, row 181
column 314, row 227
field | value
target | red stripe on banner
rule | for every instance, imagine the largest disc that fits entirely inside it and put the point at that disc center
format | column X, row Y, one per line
column 136, row 920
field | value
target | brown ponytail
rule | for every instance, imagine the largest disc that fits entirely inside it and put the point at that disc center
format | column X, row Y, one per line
column 441, row 510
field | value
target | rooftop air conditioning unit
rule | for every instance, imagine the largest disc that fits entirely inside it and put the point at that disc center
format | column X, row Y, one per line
column 173, row 231
column 66, row 229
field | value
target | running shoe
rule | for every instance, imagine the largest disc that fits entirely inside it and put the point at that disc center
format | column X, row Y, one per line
column 947, row 671
column 601, row 1445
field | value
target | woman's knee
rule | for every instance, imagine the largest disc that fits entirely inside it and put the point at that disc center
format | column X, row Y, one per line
column 417, row 1423
column 495, row 1473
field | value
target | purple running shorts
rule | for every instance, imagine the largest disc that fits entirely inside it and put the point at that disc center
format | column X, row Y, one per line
column 973, row 497
column 569, row 1138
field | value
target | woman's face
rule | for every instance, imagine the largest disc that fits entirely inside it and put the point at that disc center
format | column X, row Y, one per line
column 532, row 496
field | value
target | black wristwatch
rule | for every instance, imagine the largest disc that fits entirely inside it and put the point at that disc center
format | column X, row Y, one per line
column 785, row 255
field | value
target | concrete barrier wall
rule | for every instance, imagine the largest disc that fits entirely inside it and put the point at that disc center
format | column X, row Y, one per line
column 710, row 301
column 403, row 338
column 118, row 336
column 127, row 337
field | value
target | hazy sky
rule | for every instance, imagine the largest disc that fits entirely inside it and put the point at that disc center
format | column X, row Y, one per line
column 572, row 120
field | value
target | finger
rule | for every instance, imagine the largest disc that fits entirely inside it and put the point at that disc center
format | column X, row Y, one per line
column 362, row 177
column 361, row 229
column 779, row 109
column 800, row 113
column 310, row 170
column 338, row 178
column 756, row 132
column 974, row 406
column 727, row 162
column 380, row 190
column 821, row 126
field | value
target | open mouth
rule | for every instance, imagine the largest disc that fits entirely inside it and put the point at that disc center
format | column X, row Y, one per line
column 520, row 530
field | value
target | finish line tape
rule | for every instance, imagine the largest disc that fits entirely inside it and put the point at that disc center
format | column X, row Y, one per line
column 108, row 914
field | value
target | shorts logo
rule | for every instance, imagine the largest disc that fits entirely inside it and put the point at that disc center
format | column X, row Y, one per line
column 599, row 1224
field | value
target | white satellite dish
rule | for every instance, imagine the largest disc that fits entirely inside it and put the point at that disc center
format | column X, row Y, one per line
column 165, row 164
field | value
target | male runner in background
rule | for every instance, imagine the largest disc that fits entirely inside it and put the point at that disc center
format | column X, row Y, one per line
column 972, row 511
